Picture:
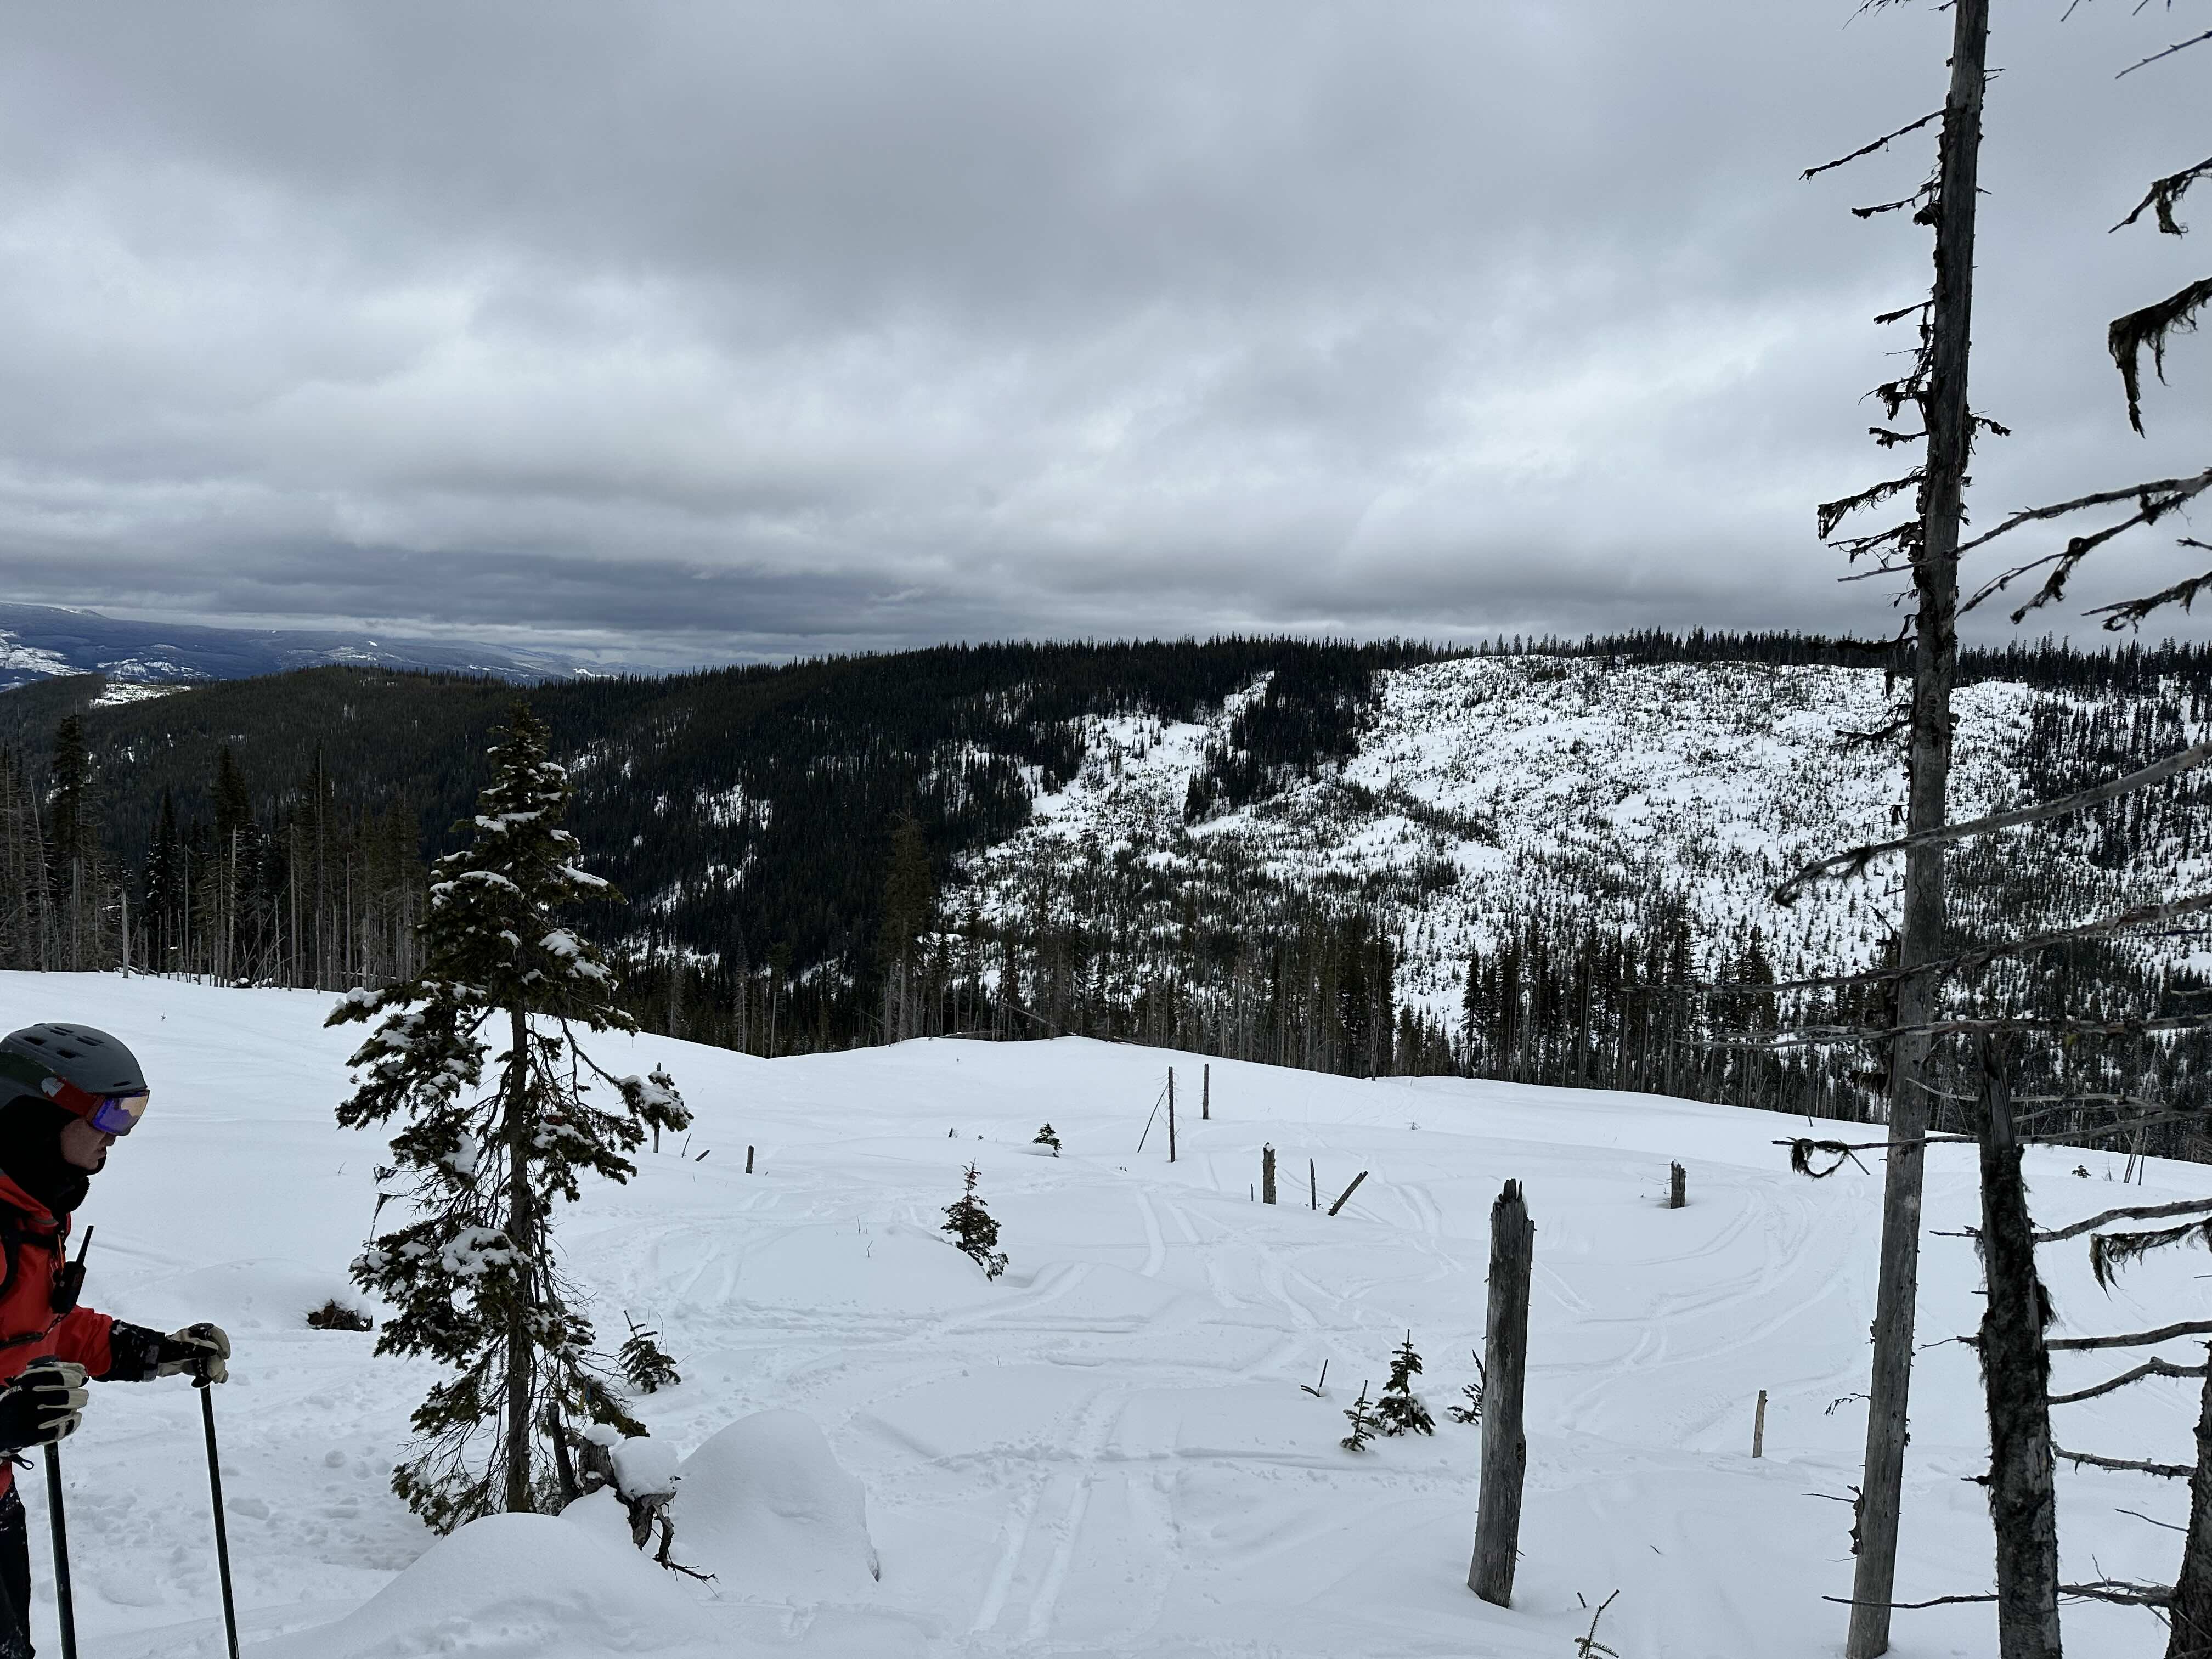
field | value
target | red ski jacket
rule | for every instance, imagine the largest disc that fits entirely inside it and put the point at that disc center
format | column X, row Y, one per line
column 38, row 1315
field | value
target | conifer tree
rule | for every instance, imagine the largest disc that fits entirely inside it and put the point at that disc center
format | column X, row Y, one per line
column 974, row 1234
column 470, row 1268
column 1365, row 1425
column 645, row 1365
column 1399, row 1410
column 1471, row 1411
column 1045, row 1137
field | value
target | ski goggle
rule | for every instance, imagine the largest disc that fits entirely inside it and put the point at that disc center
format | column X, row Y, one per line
column 112, row 1115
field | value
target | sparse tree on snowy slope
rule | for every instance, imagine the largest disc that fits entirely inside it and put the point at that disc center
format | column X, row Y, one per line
column 470, row 1272
column 975, row 1232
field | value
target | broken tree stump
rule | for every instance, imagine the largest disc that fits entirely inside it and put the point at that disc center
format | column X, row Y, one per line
column 1677, row 1186
column 1504, row 1365
column 1267, row 1175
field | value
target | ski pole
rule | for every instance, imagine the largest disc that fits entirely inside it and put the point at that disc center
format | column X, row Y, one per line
column 64, row 1604
column 221, row 1534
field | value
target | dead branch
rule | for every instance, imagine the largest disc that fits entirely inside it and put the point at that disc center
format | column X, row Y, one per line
column 1829, row 514
column 2134, row 1213
column 1868, row 149
column 2165, row 195
column 2178, row 45
column 1801, row 1153
column 2153, row 1367
column 2141, row 916
column 2122, row 1591
column 2110, row 1252
column 2167, row 1471
column 2132, row 1339
column 1855, row 860
column 2185, row 487
column 2129, row 335
column 2129, row 613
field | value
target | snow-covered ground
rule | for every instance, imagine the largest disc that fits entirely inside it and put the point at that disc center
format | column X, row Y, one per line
column 1107, row 1451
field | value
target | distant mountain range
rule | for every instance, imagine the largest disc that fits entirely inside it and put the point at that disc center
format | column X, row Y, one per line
column 40, row 642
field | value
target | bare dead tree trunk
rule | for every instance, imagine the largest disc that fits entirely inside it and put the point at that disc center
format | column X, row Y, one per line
column 1505, row 1366
column 1267, row 1175
column 1677, row 1186
column 2188, row 1614
column 1921, row 933
column 2016, row 1385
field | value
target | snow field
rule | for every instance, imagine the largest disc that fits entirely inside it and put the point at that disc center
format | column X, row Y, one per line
column 1107, row 1451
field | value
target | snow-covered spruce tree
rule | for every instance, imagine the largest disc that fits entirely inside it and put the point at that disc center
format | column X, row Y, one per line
column 645, row 1365
column 1399, row 1410
column 974, row 1234
column 469, row 1270
column 1045, row 1137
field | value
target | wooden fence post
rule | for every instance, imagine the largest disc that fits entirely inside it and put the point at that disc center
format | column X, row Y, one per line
column 1171, row 1146
column 1312, row 1185
column 1206, row 1094
column 1677, row 1186
column 1505, row 1359
column 1343, row 1196
column 1758, row 1427
column 1267, row 1175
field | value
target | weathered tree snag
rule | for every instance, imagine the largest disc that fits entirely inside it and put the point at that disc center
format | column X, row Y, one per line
column 2188, row 1614
column 2016, row 1384
column 1267, row 1175
column 1759, row 1426
column 1921, row 933
column 1172, row 1124
column 1206, row 1094
column 1677, row 1186
column 1344, row 1196
column 1505, row 1366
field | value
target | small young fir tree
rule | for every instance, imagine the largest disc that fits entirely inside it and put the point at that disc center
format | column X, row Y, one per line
column 1365, row 1425
column 1045, row 1137
column 974, row 1234
column 489, row 1140
column 1399, row 1410
column 645, row 1364
column 1471, row 1410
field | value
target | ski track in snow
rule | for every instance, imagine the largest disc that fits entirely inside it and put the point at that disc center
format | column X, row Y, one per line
column 1106, row 1452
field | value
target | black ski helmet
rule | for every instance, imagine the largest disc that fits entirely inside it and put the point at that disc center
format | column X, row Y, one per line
column 65, row 1064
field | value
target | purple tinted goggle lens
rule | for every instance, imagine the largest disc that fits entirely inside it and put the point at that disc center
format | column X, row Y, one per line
column 118, row 1114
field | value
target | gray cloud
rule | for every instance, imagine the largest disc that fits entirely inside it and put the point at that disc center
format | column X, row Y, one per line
column 722, row 329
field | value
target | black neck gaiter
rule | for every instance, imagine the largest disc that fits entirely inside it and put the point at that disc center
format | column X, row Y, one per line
column 31, row 1154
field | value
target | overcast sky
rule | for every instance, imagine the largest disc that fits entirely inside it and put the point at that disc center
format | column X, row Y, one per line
column 698, row 332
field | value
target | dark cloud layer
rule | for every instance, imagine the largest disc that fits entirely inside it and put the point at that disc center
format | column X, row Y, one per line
column 720, row 330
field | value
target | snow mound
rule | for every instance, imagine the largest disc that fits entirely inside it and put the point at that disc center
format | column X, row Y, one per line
column 256, row 1293
column 765, row 1506
column 520, row 1585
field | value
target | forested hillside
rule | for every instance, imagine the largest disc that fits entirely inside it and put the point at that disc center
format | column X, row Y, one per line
column 1362, row 859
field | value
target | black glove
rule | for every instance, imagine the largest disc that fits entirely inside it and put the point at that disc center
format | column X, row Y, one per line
column 196, row 1351
column 42, row 1404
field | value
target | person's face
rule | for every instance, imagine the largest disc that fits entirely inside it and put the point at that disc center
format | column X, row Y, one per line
column 84, row 1145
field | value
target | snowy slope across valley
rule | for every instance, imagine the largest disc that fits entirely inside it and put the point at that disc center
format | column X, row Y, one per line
column 1106, row 1452
column 1486, row 788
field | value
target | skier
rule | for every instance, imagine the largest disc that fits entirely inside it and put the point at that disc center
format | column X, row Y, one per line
column 66, row 1093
